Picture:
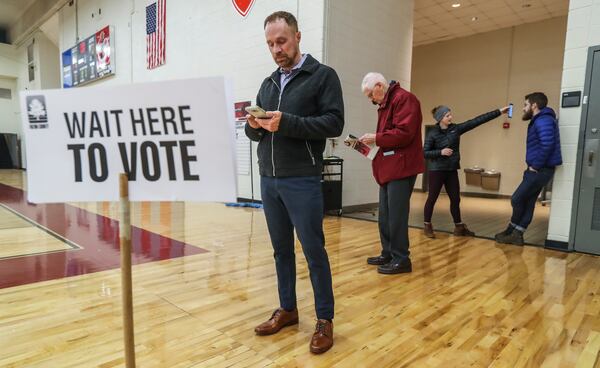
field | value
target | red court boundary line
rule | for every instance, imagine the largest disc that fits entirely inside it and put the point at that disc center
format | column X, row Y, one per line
column 97, row 235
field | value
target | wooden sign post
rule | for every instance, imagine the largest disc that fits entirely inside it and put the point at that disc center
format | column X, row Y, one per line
column 126, row 288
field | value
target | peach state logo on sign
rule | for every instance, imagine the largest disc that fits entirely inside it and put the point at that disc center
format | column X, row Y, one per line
column 243, row 6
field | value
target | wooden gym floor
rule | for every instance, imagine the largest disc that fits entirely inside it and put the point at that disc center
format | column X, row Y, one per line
column 484, row 216
column 204, row 277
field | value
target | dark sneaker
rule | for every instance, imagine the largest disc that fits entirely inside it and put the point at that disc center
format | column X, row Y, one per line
column 515, row 237
column 509, row 229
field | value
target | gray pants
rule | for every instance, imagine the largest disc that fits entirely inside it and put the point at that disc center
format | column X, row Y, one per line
column 394, row 207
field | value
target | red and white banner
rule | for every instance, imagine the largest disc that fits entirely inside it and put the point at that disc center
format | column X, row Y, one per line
column 103, row 51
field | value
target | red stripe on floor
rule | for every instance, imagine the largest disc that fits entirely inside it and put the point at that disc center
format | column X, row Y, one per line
column 98, row 235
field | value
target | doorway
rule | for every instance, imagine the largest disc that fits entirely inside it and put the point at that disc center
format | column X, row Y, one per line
column 587, row 192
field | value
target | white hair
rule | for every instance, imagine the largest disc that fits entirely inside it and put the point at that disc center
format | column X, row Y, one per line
column 371, row 79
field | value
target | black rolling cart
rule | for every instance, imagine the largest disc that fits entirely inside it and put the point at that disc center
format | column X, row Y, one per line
column 331, row 181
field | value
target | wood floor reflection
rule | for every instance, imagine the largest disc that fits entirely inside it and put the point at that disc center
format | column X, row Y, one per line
column 484, row 216
column 468, row 303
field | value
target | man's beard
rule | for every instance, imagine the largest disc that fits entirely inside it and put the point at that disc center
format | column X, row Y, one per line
column 288, row 61
column 527, row 115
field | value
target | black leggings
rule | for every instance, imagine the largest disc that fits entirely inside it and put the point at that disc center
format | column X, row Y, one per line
column 448, row 179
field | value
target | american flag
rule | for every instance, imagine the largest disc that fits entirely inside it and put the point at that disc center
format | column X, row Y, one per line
column 156, row 14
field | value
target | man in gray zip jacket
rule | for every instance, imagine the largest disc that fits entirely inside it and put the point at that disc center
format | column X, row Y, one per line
column 303, row 99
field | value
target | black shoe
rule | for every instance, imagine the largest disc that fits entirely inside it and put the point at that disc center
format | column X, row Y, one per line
column 379, row 260
column 396, row 266
column 508, row 231
column 515, row 237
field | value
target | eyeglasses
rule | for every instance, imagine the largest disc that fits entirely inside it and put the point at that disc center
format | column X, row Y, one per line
column 370, row 94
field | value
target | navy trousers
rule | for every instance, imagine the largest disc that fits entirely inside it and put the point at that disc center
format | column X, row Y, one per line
column 297, row 203
column 524, row 198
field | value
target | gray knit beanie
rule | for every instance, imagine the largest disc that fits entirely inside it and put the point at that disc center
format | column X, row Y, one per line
column 441, row 111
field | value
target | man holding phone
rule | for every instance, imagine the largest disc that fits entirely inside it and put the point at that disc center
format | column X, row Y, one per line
column 304, row 106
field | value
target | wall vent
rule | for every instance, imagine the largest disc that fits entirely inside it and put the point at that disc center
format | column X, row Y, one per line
column 5, row 93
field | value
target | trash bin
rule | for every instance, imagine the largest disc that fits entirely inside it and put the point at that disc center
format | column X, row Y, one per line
column 473, row 175
column 490, row 180
column 331, row 183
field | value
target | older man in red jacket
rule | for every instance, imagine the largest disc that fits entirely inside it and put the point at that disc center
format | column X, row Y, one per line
column 395, row 167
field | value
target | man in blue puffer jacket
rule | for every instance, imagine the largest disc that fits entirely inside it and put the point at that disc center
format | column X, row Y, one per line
column 543, row 155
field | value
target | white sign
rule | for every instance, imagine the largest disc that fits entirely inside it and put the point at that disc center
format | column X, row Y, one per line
column 176, row 139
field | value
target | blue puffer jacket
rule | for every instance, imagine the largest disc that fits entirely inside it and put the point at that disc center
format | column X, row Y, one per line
column 543, row 140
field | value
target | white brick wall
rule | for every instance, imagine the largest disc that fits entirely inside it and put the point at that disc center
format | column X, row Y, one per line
column 583, row 31
column 10, row 65
column 9, row 61
column 361, row 37
column 13, row 65
column 576, row 4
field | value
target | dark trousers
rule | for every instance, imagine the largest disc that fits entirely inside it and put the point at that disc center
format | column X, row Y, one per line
column 394, row 206
column 297, row 202
column 448, row 179
column 524, row 198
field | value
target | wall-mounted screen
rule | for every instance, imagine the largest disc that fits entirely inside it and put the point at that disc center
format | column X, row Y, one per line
column 91, row 59
column 571, row 99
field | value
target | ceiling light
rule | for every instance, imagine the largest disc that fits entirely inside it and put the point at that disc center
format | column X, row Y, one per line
column 456, row 5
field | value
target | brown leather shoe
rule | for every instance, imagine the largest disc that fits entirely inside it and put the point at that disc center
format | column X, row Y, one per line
column 322, row 339
column 280, row 319
column 428, row 230
column 462, row 230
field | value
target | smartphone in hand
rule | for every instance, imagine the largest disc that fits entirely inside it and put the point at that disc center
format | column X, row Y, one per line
column 257, row 112
column 510, row 110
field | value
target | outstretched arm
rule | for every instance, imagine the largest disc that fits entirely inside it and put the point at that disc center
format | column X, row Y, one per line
column 479, row 120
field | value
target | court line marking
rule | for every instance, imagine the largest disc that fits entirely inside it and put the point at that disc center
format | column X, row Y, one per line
column 71, row 244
